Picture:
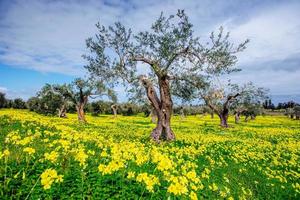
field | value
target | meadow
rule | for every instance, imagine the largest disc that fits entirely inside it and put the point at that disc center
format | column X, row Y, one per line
column 43, row 157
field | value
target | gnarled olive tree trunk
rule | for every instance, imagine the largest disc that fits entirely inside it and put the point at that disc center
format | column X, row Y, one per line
column 80, row 113
column 237, row 115
column 114, row 109
column 224, row 117
column 80, row 108
column 62, row 111
column 223, row 111
column 163, row 108
column 153, row 115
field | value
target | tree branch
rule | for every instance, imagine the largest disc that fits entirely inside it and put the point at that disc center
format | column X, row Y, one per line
column 143, row 59
column 206, row 100
column 175, row 55
column 229, row 98
column 151, row 93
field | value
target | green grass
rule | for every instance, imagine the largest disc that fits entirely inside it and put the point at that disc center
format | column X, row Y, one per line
column 254, row 160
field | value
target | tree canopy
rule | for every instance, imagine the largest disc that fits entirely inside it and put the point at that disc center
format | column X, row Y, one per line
column 179, row 64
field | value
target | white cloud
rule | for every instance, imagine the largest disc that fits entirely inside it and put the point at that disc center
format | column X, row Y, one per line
column 3, row 89
column 50, row 37
column 273, row 33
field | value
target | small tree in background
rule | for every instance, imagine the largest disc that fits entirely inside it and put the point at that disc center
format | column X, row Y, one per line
column 297, row 112
column 82, row 90
column 65, row 93
column 33, row 104
column 213, row 61
column 48, row 99
column 19, row 103
column 249, row 100
column 100, row 107
column 95, row 108
column 290, row 112
column 252, row 111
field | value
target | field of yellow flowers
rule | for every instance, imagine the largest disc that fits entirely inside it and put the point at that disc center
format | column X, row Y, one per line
column 52, row 158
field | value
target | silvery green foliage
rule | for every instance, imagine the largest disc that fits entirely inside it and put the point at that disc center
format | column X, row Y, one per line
column 115, row 52
column 210, row 61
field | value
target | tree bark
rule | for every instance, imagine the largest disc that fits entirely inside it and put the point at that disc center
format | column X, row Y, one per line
column 292, row 116
column 153, row 116
column 212, row 115
column 162, row 106
column 237, row 117
column 182, row 116
column 238, row 113
column 223, row 120
column 223, row 113
column 246, row 118
column 80, row 112
column 114, row 109
column 80, row 107
column 62, row 112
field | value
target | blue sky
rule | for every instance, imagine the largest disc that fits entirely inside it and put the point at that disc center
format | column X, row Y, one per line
column 41, row 41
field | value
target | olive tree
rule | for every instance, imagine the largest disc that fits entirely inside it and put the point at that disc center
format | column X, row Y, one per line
column 33, row 104
column 117, row 54
column 19, row 103
column 219, row 100
column 82, row 90
column 51, row 99
column 249, row 101
column 48, row 100
column 297, row 112
column 207, row 81
column 65, row 93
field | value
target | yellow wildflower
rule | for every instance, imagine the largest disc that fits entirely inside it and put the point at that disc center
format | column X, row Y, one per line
column 49, row 176
column 193, row 196
column 149, row 180
column 131, row 175
column 29, row 150
column 178, row 186
column 52, row 156
column 6, row 152
column 81, row 157
column 213, row 187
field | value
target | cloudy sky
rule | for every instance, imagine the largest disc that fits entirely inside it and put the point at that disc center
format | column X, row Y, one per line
column 41, row 41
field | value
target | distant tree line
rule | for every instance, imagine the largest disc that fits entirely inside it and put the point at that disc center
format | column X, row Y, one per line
column 290, row 108
column 268, row 104
column 49, row 103
column 17, row 103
